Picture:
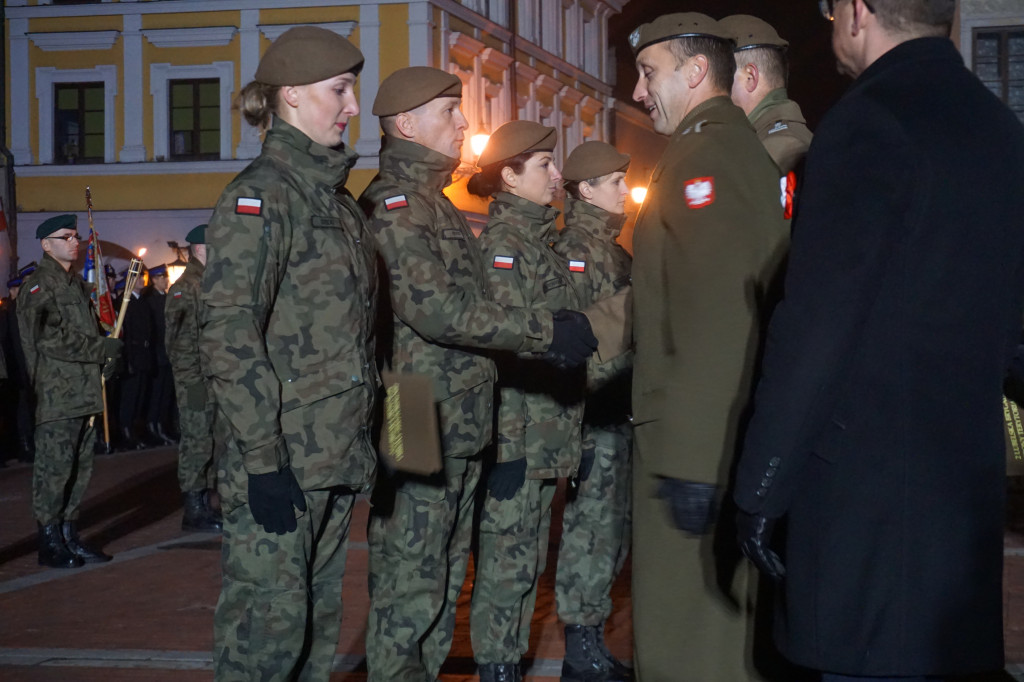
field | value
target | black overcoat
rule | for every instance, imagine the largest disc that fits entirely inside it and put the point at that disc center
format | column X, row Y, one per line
column 877, row 423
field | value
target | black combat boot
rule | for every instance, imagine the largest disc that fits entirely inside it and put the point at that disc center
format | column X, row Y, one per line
column 69, row 530
column 52, row 550
column 500, row 672
column 588, row 660
column 198, row 517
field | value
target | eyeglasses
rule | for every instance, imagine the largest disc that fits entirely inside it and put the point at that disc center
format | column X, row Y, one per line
column 67, row 237
column 827, row 8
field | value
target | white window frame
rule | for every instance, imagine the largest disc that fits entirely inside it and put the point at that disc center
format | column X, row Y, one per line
column 47, row 77
column 160, row 76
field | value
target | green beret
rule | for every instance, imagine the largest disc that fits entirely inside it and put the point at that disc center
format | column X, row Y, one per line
column 679, row 25
column 593, row 160
column 197, row 235
column 307, row 54
column 516, row 137
column 750, row 32
column 57, row 222
column 408, row 88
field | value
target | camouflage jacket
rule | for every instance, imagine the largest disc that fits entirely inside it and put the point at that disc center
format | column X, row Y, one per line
column 440, row 299
column 600, row 267
column 288, row 301
column 181, row 312
column 540, row 408
column 63, row 346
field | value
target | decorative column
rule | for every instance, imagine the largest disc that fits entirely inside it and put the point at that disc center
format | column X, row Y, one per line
column 134, row 149
column 249, row 144
column 21, row 113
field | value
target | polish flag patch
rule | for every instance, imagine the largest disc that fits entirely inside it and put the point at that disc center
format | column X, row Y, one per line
column 35, row 289
column 788, row 185
column 577, row 265
column 177, row 294
column 504, row 262
column 248, row 206
column 399, row 201
column 700, row 192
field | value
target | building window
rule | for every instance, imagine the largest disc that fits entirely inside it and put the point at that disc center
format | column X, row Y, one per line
column 999, row 63
column 78, row 123
column 194, row 117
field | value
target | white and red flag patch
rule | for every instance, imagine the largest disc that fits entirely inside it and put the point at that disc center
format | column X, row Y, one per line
column 700, row 192
column 177, row 294
column 504, row 262
column 391, row 203
column 248, row 206
column 34, row 289
column 577, row 265
column 788, row 185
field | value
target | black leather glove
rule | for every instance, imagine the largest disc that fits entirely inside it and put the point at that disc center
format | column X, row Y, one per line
column 572, row 340
column 273, row 499
column 112, row 365
column 694, row 507
column 586, row 466
column 506, row 479
column 195, row 396
column 754, row 532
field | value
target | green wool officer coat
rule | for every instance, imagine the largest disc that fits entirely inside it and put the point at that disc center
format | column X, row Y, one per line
column 63, row 347
column 441, row 302
column 781, row 127
column 289, row 298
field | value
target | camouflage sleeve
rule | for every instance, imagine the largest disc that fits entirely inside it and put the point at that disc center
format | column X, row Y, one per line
column 244, row 253
column 181, row 335
column 512, row 287
column 52, row 333
column 424, row 296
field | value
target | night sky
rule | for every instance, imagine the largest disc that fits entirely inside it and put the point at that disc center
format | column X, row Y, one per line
column 814, row 82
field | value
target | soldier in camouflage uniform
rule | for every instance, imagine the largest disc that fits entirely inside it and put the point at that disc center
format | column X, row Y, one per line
column 420, row 528
column 196, row 474
column 286, row 337
column 539, row 411
column 596, row 522
column 65, row 354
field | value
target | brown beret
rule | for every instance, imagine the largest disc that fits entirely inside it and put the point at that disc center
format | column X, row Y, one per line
column 750, row 32
column 592, row 160
column 307, row 54
column 679, row 25
column 408, row 88
column 516, row 137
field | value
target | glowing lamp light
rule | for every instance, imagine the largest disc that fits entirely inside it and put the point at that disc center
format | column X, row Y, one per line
column 478, row 142
column 638, row 194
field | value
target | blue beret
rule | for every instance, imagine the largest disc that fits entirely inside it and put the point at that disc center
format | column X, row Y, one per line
column 158, row 271
column 197, row 235
column 119, row 285
column 57, row 222
column 28, row 269
column 16, row 282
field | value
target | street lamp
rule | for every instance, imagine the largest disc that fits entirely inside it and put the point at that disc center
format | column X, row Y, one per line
column 175, row 269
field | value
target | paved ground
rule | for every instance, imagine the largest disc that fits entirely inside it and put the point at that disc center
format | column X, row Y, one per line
column 148, row 614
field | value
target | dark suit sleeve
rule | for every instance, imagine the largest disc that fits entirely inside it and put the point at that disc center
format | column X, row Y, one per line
column 852, row 212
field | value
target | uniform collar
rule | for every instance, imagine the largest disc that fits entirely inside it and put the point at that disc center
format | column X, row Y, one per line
column 773, row 98
column 416, row 164
column 593, row 220
column 532, row 218
column 320, row 164
column 50, row 264
column 196, row 264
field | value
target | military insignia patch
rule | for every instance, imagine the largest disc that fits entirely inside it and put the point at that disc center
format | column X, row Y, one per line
column 248, row 206
column 577, row 265
column 788, row 185
column 35, row 289
column 177, row 294
column 634, row 38
column 700, row 192
column 504, row 262
column 392, row 203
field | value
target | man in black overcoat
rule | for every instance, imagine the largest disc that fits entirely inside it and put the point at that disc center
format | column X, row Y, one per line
column 877, row 428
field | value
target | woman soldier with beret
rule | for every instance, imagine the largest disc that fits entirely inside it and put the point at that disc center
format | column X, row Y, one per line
column 539, row 411
column 288, row 304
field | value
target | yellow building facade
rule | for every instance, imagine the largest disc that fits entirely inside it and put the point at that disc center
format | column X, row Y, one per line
column 134, row 99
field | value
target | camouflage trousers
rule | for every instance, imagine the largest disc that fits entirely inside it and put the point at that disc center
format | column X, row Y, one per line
column 512, row 555
column 195, row 451
column 279, row 613
column 62, row 468
column 419, row 534
column 596, row 529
